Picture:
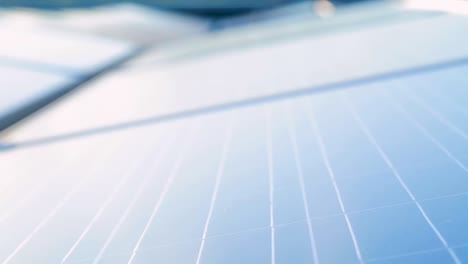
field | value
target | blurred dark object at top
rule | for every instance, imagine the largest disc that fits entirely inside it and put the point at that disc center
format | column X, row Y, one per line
column 200, row 7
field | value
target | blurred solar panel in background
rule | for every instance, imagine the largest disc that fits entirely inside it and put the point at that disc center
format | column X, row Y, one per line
column 46, row 54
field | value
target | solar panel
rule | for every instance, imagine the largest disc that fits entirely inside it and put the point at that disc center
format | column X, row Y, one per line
column 294, row 24
column 55, row 64
column 367, row 165
column 355, row 56
column 74, row 53
column 28, row 86
column 355, row 175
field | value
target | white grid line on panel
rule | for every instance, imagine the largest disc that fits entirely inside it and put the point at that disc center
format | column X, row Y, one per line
column 449, row 101
column 167, row 186
column 110, row 198
column 214, row 196
column 160, row 153
column 68, row 196
column 292, row 136
column 395, row 172
column 425, row 132
column 331, row 173
column 436, row 114
column 271, row 182
column 37, row 189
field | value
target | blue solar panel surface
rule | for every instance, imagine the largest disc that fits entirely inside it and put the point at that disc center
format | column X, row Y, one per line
column 374, row 173
column 370, row 171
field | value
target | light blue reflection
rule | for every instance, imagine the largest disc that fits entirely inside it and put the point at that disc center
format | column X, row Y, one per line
column 292, row 244
column 426, row 168
column 462, row 253
column 243, row 200
column 431, row 257
column 396, row 171
column 450, row 214
column 334, row 242
column 248, row 247
column 288, row 205
column 393, row 231
column 20, row 87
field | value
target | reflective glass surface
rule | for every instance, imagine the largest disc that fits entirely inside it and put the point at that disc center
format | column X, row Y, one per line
column 274, row 71
column 259, row 154
column 372, row 173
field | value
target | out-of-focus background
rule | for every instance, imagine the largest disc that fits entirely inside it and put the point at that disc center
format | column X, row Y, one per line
column 87, row 38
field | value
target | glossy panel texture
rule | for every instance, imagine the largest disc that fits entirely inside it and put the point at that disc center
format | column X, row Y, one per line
column 311, row 62
column 374, row 173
